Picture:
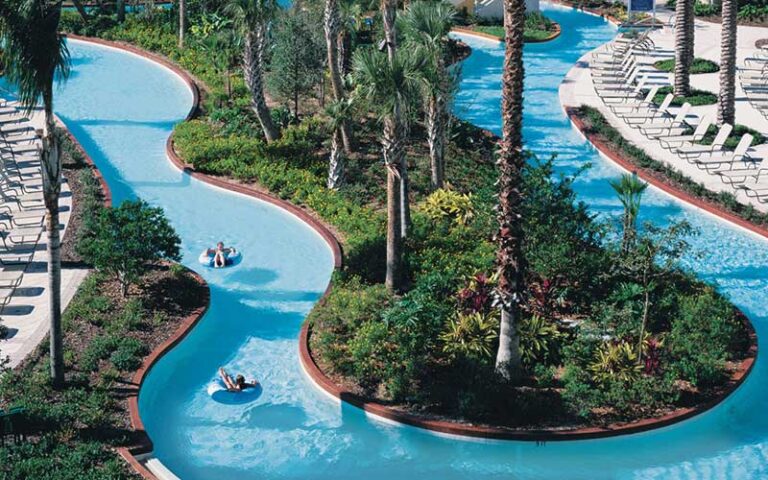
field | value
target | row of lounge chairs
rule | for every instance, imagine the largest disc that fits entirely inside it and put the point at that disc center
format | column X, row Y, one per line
column 754, row 80
column 629, row 88
column 22, row 208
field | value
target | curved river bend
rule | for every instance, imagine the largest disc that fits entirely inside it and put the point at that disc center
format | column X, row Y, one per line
column 122, row 109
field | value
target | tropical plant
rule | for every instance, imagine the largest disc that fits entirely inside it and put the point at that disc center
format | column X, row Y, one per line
column 34, row 54
column 427, row 24
column 629, row 188
column 726, row 104
column 338, row 112
column 478, row 295
column 389, row 86
column 615, row 362
column 296, row 66
column 123, row 241
column 455, row 206
column 470, row 335
column 351, row 19
column 539, row 341
column 222, row 47
column 332, row 26
column 511, row 163
column 252, row 18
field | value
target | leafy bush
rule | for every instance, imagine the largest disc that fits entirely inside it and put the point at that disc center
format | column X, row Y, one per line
column 703, row 336
column 128, row 354
column 99, row 349
column 471, row 335
column 123, row 241
column 539, row 341
column 448, row 204
column 615, row 362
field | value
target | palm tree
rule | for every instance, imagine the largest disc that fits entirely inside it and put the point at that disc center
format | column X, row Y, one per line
column 389, row 18
column 332, row 27
column 120, row 7
column 683, row 46
column 351, row 16
column 34, row 54
column 726, row 105
column 182, row 21
column 511, row 162
column 630, row 191
column 427, row 24
column 338, row 112
column 252, row 17
column 390, row 87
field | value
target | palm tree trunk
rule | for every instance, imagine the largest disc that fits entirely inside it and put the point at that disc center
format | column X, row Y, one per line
column 405, row 201
column 392, row 149
column 120, row 6
column 511, row 162
column 336, row 161
column 51, row 163
column 436, row 140
column 253, row 71
column 726, row 105
column 332, row 28
column 690, row 24
column 682, row 47
column 344, row 46
column 182, row 21
column 389, row 13
column 80, row 9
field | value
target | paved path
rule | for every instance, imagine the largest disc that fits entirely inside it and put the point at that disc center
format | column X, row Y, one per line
column 26, row 316
column 577, row 89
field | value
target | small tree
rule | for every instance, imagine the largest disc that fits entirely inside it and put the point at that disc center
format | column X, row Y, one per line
column 630, row 191
column 655, row 254
column 124, row 241
column 296, row 59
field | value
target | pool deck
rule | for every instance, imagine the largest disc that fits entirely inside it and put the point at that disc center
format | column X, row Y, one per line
column 577, row 89
column 26, row 315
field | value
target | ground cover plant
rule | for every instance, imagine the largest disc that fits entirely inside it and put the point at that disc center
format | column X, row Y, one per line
column 538, row 27
column 699, row 65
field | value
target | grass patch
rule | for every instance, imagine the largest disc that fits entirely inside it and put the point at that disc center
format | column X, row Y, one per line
column 538, row 28
column 696, row 98
column 699, row 65
column 733, row 139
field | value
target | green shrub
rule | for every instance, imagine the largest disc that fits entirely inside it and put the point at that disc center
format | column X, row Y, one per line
column 703, row 336
column 100, row 348
column 123, row 241
column 448, row 204
column 128, row 354
column 472, row 335
column 540, row 341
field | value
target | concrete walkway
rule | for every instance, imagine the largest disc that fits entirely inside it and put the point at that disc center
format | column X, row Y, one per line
column 577, row 89
column 26, row 315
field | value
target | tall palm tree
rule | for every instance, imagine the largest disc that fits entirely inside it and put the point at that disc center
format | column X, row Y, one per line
column 630, row 191
column 726, row 105
column 390, row 87
column 34, row 54
column 427, row 24
column 252, row 18
column 389, row 18
column 511, row 163
column 332, row 27
column 338, row 113
column 182, row 21
column 351, row 16
column 683, row 46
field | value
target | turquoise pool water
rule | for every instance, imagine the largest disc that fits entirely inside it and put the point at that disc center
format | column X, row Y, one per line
column 122, row 109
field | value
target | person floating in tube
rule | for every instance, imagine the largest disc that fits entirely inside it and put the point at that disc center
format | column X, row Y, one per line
column 238, row 384
column 220, row 255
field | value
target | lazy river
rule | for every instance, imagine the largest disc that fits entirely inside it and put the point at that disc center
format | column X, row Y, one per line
column 122, row 109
